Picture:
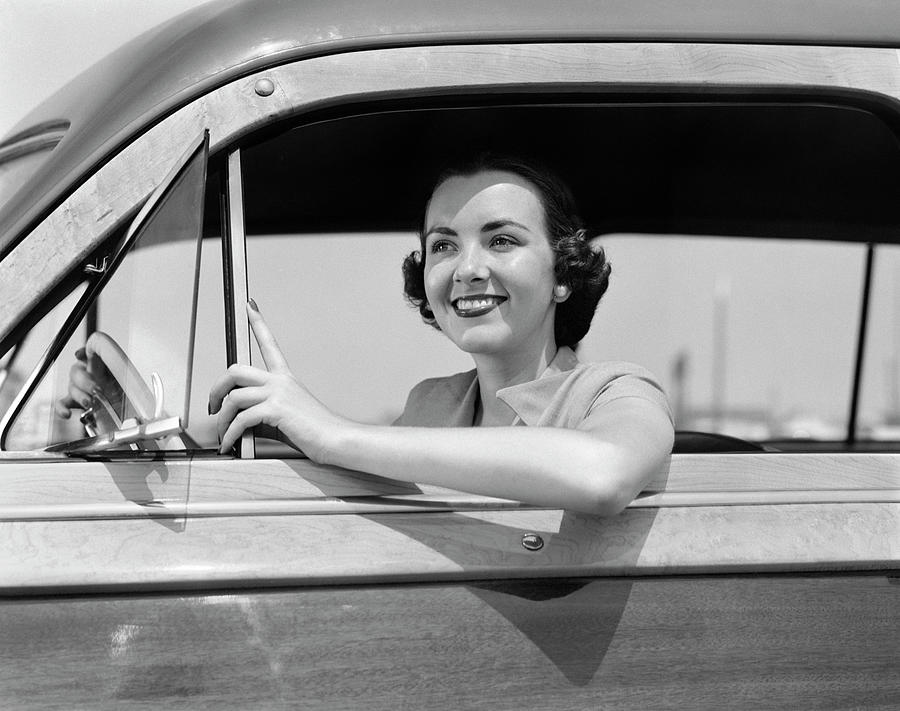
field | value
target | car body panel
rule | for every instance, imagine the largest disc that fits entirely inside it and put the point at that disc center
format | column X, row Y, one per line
column 337, row 527
column 818, row 642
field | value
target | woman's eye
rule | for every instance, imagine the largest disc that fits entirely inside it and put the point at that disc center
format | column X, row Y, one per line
column 503, row 241
column 441, row 246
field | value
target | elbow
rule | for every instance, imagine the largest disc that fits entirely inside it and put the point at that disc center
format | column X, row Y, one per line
column 606, row 502
column 616, row 484
column 605, row 492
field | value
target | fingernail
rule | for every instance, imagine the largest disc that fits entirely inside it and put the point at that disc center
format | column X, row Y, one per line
column 253, row 305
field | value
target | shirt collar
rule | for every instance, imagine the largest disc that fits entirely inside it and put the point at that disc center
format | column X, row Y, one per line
column 529, row 400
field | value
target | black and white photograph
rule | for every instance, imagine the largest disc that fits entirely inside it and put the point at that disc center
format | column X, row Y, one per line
column 404, row 354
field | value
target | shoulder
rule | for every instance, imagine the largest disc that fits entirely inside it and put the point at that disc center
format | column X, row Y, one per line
column 571, row 391
column 601, row 383
column 436, row 402
column 589, row 386
column 612, row 372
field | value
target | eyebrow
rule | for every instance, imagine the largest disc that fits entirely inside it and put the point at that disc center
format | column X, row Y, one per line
column 488, row 227
column 441, row 231
column 502, row 222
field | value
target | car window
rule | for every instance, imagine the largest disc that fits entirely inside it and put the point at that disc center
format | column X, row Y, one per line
column 21, row 359
column 753, row 338
column 138, row 338
column 753, row 331
column 879, row 402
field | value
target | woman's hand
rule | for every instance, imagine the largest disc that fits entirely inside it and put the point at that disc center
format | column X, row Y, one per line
column 246, row 397
column 86, row 378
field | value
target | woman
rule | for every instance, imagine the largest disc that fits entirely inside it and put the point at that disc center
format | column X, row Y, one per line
column 506, row 272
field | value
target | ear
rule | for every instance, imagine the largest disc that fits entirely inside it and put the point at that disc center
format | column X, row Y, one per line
column 561, row 292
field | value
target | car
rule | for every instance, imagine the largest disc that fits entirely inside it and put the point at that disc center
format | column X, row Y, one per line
column 740, row 164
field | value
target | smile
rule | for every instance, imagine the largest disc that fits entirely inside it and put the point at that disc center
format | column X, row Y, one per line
column 471, row 306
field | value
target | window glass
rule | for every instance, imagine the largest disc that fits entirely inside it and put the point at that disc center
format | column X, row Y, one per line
column 879, row 403
column 141, row 329
column 20, row 360
column 751, row 338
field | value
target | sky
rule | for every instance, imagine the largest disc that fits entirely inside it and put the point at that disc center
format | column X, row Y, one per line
column 48, row 42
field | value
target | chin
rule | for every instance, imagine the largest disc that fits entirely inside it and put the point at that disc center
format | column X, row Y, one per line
column 482, row 339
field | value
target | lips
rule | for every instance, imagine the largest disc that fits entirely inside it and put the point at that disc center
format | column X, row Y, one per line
column 476, row 304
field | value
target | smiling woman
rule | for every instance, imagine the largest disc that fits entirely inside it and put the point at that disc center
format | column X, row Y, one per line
column 503, row 252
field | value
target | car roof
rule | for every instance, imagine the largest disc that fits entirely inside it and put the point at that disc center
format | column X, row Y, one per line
column 179, row 60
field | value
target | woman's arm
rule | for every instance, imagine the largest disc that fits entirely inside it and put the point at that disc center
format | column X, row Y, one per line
column 598, row 468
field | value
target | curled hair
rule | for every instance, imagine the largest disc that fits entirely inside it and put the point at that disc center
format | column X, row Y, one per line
column 578, row 265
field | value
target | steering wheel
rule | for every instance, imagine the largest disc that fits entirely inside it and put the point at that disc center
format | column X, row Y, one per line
column 137, row 399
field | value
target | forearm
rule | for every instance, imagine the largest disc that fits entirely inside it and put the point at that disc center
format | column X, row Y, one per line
column 546, row 466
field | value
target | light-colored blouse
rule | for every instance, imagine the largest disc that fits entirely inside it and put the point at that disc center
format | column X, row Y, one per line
column 565, row 395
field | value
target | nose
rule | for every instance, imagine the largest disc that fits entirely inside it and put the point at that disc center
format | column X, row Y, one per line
column 472, row 265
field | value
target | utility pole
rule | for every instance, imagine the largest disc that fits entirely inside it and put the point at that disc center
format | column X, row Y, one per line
column 720, row 348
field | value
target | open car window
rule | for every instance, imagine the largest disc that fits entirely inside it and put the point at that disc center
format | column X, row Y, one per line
column 754, row 339
column 119, row 375
column 741, row 287
column 751, row 338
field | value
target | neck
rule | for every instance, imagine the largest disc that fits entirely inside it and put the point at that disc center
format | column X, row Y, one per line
column 498, row 371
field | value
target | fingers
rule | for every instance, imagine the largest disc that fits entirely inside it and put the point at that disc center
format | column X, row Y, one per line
column 81, row 384
column 238, row 400
column 268, row 347
column 238, row 396
column 63, row 407
column 244, row 420
column 81, row 388
column 80, row 394
column 237, row 376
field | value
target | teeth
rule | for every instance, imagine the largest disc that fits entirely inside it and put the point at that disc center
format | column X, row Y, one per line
column 466, row 304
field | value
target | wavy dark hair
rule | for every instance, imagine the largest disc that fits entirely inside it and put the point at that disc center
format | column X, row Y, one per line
column 579, row 265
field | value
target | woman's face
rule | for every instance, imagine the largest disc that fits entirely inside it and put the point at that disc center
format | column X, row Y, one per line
column 488, row 264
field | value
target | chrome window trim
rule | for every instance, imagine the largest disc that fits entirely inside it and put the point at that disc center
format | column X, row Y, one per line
column 235, row 278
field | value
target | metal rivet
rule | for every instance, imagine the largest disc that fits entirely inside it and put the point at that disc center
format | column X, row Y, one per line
column 532, row 541
column 265, row 87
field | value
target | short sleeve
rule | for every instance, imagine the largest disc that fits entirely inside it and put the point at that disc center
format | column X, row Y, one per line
column 629, row 380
